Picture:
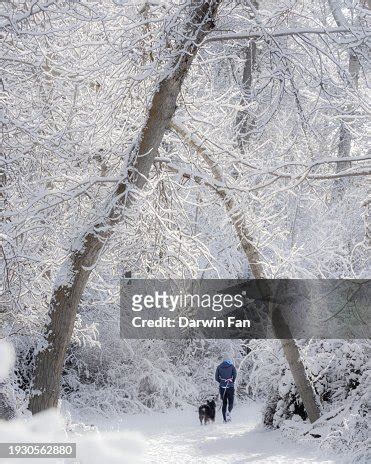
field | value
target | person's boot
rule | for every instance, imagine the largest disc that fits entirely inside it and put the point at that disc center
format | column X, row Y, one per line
column 228, row 417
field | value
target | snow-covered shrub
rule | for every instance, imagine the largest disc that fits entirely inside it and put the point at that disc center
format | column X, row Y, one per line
column 339, row 371
column 132, row 376
column 109, row 375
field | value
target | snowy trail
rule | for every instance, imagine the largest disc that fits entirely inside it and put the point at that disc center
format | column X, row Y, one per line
column 176, row 437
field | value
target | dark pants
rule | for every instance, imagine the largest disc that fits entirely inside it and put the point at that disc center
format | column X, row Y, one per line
column 227, row 396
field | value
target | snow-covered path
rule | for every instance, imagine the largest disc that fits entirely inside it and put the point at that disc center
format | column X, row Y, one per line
column 176, row 437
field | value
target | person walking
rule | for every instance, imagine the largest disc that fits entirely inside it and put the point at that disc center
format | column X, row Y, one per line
column 226, row 375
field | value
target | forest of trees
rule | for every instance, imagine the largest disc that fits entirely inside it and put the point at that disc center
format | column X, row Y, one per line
column 180, row 139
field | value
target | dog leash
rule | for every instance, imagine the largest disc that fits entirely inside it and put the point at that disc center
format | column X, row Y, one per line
column 225, row 389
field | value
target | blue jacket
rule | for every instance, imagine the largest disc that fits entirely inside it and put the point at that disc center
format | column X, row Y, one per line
column 225, row 371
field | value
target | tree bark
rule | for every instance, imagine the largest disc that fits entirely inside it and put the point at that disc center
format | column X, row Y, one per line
column 345, row 135
column 245, row 121
column 252, row 254
column 297, row 369
column 307, row 395
column 83, row 256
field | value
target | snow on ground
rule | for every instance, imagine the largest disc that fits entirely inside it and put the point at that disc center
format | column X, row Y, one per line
column 120, row 447
column 176, row 437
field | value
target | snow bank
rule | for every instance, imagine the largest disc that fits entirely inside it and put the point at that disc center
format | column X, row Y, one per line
column 7, row 359
column 92, row 447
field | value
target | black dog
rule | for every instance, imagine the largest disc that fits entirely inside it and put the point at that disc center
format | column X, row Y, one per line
column 206, row 412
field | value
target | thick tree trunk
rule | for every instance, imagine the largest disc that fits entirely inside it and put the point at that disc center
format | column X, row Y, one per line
column 297, row 369
column 280, row 327
column 83, row 256
column 301, row 380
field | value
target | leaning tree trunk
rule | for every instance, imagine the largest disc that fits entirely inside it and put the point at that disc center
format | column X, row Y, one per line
column 307, row 395
column 75, row 272
column 297, row 369
column 282, row 331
